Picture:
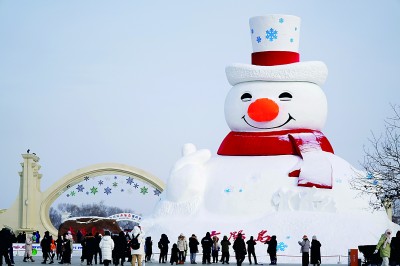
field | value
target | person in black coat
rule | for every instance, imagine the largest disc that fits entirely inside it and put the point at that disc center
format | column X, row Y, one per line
column 5, row 243
column 193, row 248
column 120, row 248
column 240, row 249
column 174, row 254
column 45, row 245
column 251, row 250
column 163, row 246
column 395, row 249
column 271, row 250
column 206, row 244
column 90, row 243
column 97, row 238
column 148, row 245
column 315, row 251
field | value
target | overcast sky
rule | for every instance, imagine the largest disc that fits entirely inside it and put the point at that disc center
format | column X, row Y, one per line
column 86, row 82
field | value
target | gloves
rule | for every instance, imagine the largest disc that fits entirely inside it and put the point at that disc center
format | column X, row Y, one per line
column 376, row 251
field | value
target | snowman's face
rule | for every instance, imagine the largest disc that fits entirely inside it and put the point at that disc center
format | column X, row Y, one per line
column 261, row 106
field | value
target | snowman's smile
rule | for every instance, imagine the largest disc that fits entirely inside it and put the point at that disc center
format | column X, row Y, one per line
column 287, row 121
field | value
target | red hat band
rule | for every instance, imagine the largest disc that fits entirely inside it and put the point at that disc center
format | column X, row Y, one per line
column 273, row 58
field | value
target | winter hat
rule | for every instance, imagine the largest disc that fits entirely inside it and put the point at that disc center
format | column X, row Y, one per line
column 314, row 237
column 305, row 237
column 275, row 57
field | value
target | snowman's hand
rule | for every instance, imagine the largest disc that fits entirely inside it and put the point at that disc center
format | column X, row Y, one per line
column 190, row 155
column 315, row 171
column 187, row 180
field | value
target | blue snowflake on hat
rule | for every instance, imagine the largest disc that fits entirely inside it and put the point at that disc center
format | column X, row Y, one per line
column 271, row 34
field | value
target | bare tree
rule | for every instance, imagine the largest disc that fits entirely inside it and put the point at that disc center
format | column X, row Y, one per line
column 382, row 165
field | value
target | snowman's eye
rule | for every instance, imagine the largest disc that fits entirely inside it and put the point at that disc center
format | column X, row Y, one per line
column 246, row 97
column 285, row 96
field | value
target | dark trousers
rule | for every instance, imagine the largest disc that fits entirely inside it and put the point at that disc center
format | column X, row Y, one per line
column 215, row 256
column 4, row 253
column 95, row 256
column 206, row 257
column 305, row 259
column 225, row 257
column 240, row 258
column 181, row 256
column 252, row 253
column 272, row 258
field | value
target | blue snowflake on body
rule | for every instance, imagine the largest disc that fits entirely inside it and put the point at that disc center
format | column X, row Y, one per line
column 87, row 193
column 281, row 20
column 100, row 182
column 86, row 178
column 107, row 190
column 157, row 192
column 122, row 190
column 271, row 34
column 258, row 39
column 375, row 182
column 135, row 185
column 291, row 40
column 227, row 190
column 281, row 246
column 370, row 176
column 252, row 31
column 115, row 177
column 80, row 188
column 129, row 180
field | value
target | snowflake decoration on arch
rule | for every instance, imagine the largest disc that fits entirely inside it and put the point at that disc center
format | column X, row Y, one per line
column 135, row 185
column 157, row 192
column 129, row 180
column 144, row 190
column 100, row 182
column 271, row 34
column 94, row 190
column 80, row 188
column 107, row 190
column 86, row 178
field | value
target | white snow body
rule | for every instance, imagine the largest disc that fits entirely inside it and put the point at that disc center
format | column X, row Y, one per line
column 227, row 194
column 254, row 193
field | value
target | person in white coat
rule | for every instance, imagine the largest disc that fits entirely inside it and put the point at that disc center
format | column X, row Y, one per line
column 106, row 245
column 137, row 253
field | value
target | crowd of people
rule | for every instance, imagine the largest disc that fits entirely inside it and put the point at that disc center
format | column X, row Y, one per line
column 134, row 248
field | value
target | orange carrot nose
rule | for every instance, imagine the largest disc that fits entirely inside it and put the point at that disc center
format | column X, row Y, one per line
column 263, row 110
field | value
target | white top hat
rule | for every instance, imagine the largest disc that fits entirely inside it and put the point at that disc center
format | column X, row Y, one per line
column 275, row 57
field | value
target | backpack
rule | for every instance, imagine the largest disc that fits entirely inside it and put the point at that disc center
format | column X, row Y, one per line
column 135, row 243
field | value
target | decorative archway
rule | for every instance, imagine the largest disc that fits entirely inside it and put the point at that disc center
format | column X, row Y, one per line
column 77, row 176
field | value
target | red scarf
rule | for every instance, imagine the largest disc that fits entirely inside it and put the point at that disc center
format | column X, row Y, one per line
column 285, row 142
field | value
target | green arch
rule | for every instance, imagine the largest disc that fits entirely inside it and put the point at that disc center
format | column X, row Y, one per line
column 75, row 177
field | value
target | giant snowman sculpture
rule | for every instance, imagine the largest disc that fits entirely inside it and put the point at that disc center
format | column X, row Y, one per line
column 275, row 172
